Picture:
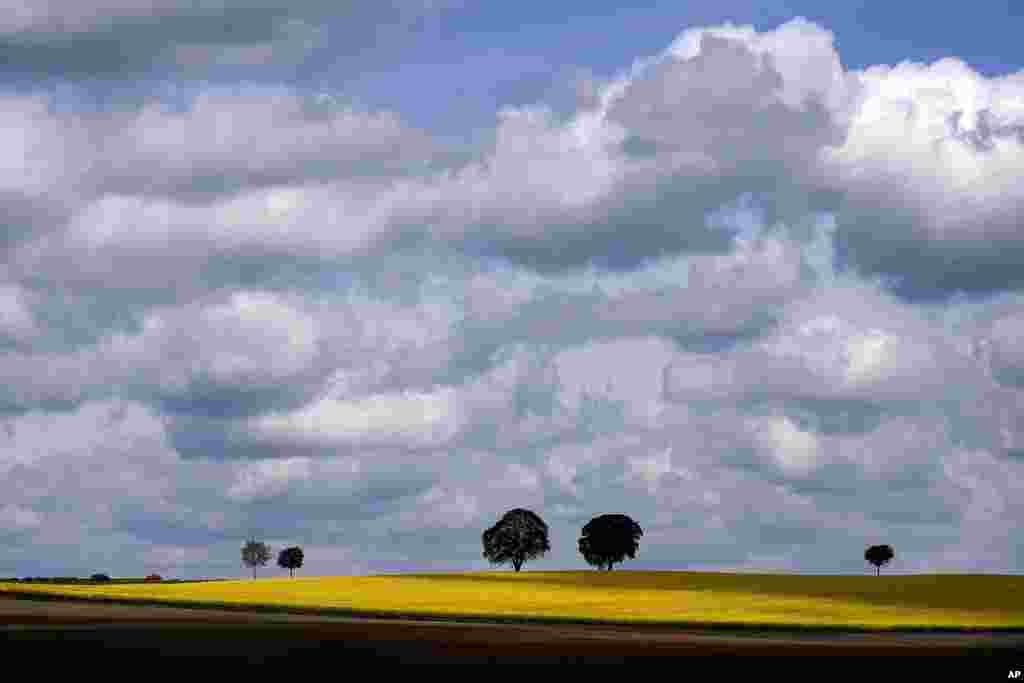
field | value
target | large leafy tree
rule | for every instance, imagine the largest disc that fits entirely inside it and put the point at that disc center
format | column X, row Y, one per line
column 255, row 555
column 879, row 555
column 608, row 539
column 520, row 535
column 290, row 559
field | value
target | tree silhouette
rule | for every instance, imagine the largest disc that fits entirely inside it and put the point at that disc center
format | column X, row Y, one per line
column 608, row 539
column 518, row 536
column 255, row 555
column 879, row 555
column 290, row 559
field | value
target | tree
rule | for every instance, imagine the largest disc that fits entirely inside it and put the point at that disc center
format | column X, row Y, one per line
column 879, row 555
column 290, row 559
column 608, row 539
column 255, row 555
column 520, row 535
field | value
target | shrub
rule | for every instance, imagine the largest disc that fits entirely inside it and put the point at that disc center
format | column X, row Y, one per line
column 154, row 577
column 100, row 577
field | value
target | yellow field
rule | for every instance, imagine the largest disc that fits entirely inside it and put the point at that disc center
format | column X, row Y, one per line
column 974, row 601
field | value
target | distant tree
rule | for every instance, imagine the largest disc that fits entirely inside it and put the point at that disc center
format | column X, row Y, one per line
column 290, row 559
column 520, row 535
column 154, row 577
column 608, row 539
column 100, row 577
column 879, row 555
column 255, row 555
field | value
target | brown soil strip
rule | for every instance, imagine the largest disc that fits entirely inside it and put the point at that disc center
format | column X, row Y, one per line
column 184, row 632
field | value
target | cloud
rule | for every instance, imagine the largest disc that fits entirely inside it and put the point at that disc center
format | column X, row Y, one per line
column 727, row 112
column 950, row 140
column 172, row 200
column 420, row 418
column 251, row 337
column 120, row 40
column 269, row 478
column 678, row 135
column 794, row 448
column 16, row 319
column 228, row 140
column 15, row 519
column 696, row 299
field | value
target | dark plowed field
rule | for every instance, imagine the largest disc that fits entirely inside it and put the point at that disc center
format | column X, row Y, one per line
column 106, row 632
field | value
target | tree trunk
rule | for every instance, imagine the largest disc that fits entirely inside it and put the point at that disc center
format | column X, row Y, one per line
column 609, row 567
column 254, row 572
column 877, row 571
column 517, row 564
column 292, row 572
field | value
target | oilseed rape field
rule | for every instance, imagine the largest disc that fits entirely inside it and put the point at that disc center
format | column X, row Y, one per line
column 665, row 597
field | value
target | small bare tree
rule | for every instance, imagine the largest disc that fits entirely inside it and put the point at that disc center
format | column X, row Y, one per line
column 255, row 554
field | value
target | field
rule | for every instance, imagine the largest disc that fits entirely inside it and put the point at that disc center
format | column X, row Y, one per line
column 753, row 601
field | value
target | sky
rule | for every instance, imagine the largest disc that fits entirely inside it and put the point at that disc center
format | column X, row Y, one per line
column 362, row 277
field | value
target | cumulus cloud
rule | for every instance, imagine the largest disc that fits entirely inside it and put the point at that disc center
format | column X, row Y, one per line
column 794, row 448
column 170, row 200
column 14, row 518
column 252, row 338
column 950, row 140
column 696, row 299
column 417, row 417
column 16, row 319
column 227, row 139
column 269, row 478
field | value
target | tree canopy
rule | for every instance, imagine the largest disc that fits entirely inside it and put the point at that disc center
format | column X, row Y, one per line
column 608, row 539
column 290, row 559
column 520, row 535
column 879, row 555
column 255, row 555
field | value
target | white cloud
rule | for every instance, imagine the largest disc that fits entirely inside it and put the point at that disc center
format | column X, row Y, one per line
column 259, row 133
column 268, row 478
column 538, row 169
column 413, row 417
column 854, row 339
column 693, row 376
column 45, row 155
column 1001, row 346
column 390, row 391
column 443, row 507
column 16, row 320
column 17, row 518
column 801, row 51
column 38, row 437
column 627, row 370
column 57, row 16
column 651, row 468
column 251, row 337
column 973, row 473
column 518, row 477
column 948, row 136
column 794, row 449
